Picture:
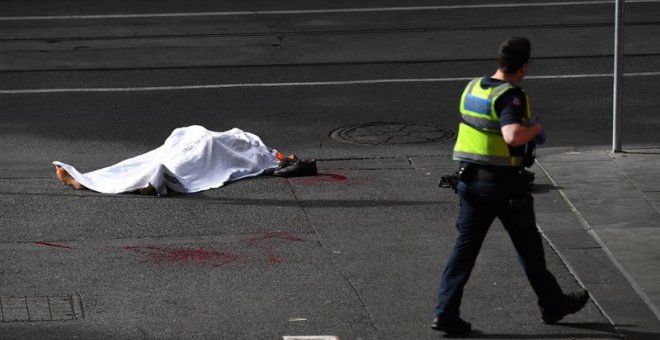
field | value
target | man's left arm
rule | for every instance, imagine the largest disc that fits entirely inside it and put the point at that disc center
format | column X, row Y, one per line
column 513, row 130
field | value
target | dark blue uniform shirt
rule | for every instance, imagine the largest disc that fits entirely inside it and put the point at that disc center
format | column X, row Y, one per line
column 510, row 107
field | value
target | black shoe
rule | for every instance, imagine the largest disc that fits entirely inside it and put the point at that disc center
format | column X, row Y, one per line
column 574, row 302
column 452, row 328
column 296, row 168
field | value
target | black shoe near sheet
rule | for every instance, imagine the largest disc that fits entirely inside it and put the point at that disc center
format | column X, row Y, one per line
column 296, row 168
column 573, row 303
column 453, row 327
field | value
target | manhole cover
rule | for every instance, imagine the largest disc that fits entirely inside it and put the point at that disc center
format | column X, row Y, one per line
column 388, row 133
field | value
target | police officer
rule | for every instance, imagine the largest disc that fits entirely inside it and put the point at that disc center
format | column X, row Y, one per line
column 494, row 141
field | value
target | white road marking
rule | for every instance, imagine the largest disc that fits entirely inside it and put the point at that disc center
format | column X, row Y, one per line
column 297, row 319
column 316, row 11
column 314, row 83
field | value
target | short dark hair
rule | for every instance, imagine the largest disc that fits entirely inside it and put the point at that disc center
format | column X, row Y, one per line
column 513, row 54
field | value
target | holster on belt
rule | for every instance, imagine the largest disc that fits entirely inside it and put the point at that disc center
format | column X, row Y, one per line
column 519, row 179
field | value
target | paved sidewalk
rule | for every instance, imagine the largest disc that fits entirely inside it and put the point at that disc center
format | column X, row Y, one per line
column 604, row 220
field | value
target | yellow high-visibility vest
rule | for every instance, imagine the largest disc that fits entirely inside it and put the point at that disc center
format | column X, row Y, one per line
column 479, row 135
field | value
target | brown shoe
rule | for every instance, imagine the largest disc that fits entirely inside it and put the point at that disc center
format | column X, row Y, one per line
column 65, row 178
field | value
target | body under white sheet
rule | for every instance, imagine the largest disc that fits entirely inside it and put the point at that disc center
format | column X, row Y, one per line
column 191, row 159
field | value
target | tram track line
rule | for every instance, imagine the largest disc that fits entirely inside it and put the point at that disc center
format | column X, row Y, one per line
column 298, row 84
column 449, row 28
column 316, row 11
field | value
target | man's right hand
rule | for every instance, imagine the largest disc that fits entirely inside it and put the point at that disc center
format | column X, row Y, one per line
column 540, row 138
column 517, row 134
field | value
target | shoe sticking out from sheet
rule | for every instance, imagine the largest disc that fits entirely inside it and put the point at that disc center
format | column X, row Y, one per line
column 293, row 166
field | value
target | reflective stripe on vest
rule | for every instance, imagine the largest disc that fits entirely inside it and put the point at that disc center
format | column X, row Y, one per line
column 479, row 135
column 478, row 105
column 482, row 147
column 490, row 160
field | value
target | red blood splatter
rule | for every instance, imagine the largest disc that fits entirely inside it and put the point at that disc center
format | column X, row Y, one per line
column 138, row 248
column 270, row 236
column 48, row 244
column 337, row 177
column 266, row 248
column 274, row 259
column 320, row 178
column 183, row 255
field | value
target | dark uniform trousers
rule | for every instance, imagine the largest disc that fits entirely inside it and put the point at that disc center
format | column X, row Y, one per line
column 485, row 195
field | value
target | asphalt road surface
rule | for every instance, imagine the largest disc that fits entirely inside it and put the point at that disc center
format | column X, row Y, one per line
column 93, row 82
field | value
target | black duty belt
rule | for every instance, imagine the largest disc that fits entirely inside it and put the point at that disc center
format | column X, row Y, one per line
column 517, row 177
column 487, row 174
column 491, row 173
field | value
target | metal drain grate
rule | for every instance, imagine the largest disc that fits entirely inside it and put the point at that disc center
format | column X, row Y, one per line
column 49, row 308
column 392, row 133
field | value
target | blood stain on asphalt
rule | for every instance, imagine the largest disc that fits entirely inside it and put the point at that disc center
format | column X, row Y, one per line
column 320, row 178
column 273, row 259
column 201, row 256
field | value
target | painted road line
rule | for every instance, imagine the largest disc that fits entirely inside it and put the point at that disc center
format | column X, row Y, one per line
column 224, row 86
column 302, row 84
column 317, row 11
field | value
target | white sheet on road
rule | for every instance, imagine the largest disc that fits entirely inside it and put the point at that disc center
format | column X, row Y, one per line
column 192, row 159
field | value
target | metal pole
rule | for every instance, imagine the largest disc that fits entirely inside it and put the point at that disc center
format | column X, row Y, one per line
column 618, row 75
